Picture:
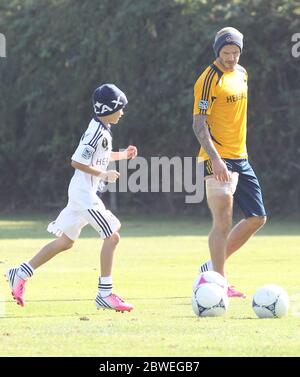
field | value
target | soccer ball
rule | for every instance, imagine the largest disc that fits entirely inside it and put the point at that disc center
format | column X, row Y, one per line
column 210, row 277
column 270, row 301
column 209, row 300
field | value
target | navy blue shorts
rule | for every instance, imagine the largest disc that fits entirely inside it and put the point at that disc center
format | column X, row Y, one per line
column 248, row 193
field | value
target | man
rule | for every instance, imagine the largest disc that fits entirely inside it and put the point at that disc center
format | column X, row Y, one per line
column 219, row 123
column 90, row 162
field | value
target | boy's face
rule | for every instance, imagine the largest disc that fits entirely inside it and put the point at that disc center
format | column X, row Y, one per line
column 113, row 118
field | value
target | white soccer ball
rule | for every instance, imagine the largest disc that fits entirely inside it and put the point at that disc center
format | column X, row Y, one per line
column 209, row 300
column 270, row 301
column 210, row 277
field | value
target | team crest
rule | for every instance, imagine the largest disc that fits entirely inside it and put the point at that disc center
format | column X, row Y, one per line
column 87, row 153
column 104, row 143
column 203, row 104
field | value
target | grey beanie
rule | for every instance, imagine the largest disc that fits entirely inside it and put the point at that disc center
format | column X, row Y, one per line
column 227, row 36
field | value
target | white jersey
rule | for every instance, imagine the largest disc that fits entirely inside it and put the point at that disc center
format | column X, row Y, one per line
column 94, row 149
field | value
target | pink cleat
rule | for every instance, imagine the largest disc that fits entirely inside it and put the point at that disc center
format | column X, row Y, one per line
column 232, row 292
column 113, row 302
column 17, row 285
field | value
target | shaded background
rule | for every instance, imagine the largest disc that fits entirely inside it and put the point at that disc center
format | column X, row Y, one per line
column 58, row 51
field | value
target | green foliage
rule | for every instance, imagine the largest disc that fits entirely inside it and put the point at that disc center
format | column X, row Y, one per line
column 58, row 51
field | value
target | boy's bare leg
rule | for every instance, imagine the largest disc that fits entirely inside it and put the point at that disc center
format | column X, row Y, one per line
column 50, row 250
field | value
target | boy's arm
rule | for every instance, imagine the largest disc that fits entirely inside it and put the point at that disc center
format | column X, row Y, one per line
column 109, row 175
column 129, row 152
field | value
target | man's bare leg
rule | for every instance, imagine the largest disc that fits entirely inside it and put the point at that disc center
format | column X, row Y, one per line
column 221, row 209
column 242, row 231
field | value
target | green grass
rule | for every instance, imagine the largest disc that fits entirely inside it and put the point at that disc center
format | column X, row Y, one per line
column 155, row 265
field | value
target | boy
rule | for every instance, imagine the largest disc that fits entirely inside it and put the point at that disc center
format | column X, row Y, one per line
column 90, row 162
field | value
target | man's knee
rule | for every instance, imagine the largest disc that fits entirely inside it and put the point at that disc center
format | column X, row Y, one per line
column 258, row 221
column 262, row 220
column 222, row 219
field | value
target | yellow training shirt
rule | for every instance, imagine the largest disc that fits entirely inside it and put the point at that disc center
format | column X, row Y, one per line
column 222, row 96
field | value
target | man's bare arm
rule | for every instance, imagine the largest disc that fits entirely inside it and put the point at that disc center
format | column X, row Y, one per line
column 219, row 167
column 203, row 136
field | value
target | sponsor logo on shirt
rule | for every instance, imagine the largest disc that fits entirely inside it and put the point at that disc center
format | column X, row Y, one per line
column 87, row 153
column 236, row 97
column 203, row 104
column 102, row 161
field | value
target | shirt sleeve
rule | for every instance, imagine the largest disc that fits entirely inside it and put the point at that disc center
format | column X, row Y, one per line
column 87, row 146
column 83, row 154
column 205, row 92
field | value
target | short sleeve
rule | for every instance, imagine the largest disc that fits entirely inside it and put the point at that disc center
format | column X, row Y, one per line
column 205, row 92
column 88, row 145
column 83, row 154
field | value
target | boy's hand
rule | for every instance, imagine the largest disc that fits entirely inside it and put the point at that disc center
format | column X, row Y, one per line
column 110, row 176
column 131, row 152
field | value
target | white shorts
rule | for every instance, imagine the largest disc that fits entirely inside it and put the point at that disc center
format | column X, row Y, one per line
column 70, row 222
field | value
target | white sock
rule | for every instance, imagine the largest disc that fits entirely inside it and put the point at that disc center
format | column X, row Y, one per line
column 105, row 285
column 25, row 271
column 207, row 266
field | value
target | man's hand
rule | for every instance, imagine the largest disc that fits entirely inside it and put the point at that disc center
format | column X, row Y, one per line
column 220, row 171
column 110, row 176
column 131, row 152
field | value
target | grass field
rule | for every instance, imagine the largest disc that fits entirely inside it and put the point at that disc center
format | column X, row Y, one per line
column 155, row 265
